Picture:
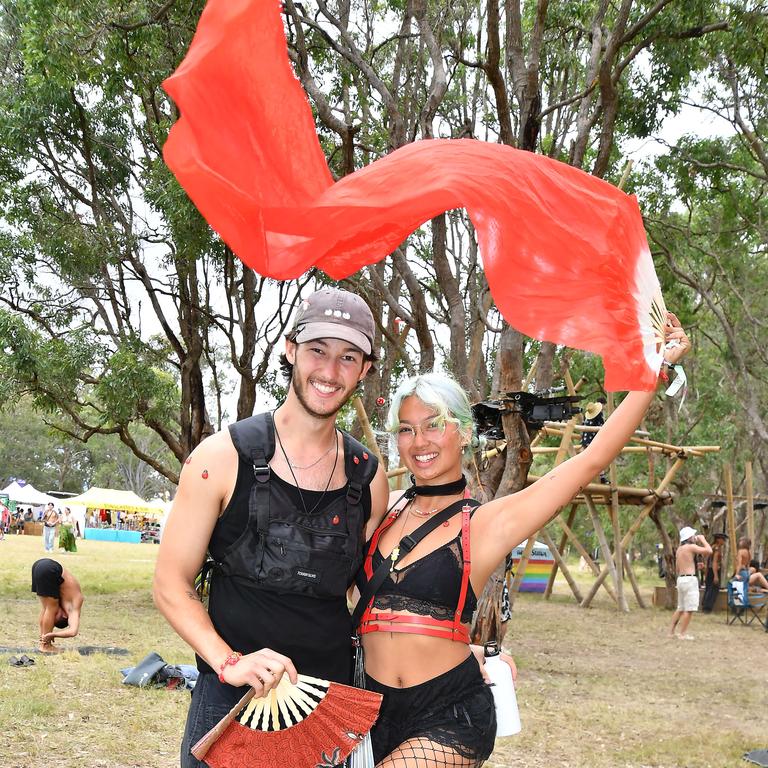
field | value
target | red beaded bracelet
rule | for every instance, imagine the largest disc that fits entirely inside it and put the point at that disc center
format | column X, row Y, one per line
column 230, row 661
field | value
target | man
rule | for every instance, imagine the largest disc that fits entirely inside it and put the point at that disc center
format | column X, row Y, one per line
column 61, row 602
column 283, row 503
column 691, row 544
column 50, row 520
column 712, row 577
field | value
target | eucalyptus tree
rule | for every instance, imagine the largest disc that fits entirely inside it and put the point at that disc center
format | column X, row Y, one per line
column 709, row 200
column 118, row 304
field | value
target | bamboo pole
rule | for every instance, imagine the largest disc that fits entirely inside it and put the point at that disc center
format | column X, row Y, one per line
column 563, row 540
column 603, row 490
column 632, row 530
column 618, row 558
column 544, row 449
column 555, row 429
column 560, row 560
column 565, row 444
column 750, row 503
column 365, row 423
column 605, row 548
column 728, row 476
column 625, row 174
column 587, row 558
column 521, row 566
column 633, row 581
column 531, row 373
column 491, row 452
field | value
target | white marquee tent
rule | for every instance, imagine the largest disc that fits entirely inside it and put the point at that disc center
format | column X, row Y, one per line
column 28, row 494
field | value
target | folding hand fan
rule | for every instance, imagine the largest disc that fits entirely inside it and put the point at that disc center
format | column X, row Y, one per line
column 313, row 724
column 565, row 253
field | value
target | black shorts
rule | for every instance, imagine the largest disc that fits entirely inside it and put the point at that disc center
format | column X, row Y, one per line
column 47, row 578
column 454, row 710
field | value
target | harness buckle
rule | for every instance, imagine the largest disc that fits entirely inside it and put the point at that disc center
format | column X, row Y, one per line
column 354, row 493
column 408, row 543
column 261, row 473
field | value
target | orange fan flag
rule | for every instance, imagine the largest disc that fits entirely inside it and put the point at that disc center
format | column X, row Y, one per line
column 564, row 252
column 313, row 724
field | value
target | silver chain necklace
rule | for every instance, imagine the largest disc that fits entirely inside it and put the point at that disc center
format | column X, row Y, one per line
column 315, row 462
column 308, row 512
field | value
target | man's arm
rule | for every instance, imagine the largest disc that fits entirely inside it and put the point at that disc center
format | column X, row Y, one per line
column 205, row 484
column 716, row 560
column 71, row 630
column 702, row 548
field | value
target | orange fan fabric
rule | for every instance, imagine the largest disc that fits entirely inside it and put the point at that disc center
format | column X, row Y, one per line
column 565, row 253
column 323, row 739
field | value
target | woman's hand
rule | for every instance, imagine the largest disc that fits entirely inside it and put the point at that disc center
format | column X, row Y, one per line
column 677, row 338
column 477, row 650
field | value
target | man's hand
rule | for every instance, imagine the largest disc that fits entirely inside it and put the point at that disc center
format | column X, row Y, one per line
column 48, row 637
column 261, row 670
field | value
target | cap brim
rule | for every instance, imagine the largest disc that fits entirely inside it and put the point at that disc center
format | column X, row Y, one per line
column 314, row 331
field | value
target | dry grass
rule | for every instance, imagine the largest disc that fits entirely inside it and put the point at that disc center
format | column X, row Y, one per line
column 595, row 688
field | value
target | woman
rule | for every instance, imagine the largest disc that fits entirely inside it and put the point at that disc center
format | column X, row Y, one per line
column 437, row 711
column 67, row 532
column 747, row 569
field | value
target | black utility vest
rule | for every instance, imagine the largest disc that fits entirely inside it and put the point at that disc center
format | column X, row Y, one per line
column 283, row 549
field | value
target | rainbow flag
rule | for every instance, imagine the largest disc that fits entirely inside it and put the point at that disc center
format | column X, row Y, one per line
column 538, row 569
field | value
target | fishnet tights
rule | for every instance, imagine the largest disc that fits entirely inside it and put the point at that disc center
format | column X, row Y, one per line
column 420, row 752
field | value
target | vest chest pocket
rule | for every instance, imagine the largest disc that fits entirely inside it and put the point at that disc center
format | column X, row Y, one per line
column 292, row 567
column 318, row 539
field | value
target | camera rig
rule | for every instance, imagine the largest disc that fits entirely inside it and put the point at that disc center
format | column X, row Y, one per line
column 534, row 409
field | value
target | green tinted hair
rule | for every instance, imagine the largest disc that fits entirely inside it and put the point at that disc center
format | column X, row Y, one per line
column 445, row 395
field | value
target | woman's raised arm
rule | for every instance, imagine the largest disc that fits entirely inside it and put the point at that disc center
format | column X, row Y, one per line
column 514, row 518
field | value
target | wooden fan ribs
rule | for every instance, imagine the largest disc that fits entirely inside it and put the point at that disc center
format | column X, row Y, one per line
column 285, row 705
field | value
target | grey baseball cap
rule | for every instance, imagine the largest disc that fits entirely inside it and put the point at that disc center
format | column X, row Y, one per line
column 335, row 314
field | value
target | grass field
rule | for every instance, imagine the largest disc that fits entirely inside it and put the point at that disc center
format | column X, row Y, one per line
column 595, row 688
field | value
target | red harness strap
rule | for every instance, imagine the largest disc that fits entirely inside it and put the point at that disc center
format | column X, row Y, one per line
column 368, row 565
column 379, row 621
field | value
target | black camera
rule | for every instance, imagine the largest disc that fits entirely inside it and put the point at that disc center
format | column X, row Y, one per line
column 534, row 409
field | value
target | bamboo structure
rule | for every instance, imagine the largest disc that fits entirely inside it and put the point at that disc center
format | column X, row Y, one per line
column 750, row 502
column 612, row 495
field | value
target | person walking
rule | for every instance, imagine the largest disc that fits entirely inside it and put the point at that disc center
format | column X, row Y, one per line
column 67, row 532
column 50, row 521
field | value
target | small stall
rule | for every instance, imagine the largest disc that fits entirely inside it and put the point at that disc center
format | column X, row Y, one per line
column 109, row 514
column 26, row 495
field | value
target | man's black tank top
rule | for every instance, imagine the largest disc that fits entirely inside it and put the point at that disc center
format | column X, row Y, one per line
column 314, row 634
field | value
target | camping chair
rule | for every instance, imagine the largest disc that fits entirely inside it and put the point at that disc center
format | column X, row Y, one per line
column 745, row 606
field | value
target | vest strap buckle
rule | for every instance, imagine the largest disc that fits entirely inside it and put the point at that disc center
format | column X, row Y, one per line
column 261, row 474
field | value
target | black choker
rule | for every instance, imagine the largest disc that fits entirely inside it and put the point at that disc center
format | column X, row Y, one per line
column 444, row 489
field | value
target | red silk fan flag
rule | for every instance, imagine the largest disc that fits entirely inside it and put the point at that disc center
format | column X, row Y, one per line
column 564, row 252
column 313, row 724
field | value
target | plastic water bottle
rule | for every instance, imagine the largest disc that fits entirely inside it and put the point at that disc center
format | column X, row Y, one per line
column 507, row 713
